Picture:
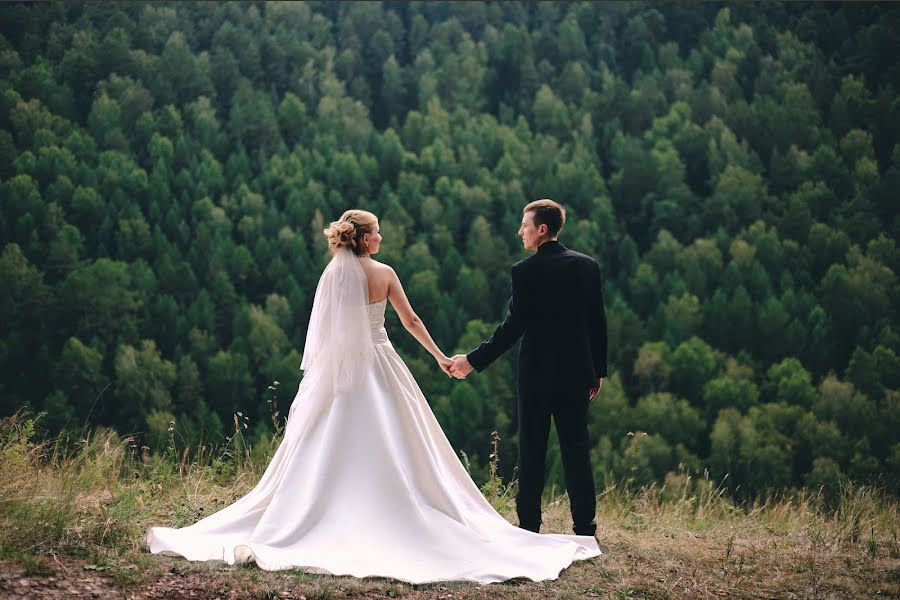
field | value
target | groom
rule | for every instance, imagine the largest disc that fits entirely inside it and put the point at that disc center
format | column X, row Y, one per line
column 557, row 308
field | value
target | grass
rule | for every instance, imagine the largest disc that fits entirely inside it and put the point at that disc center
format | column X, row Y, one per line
column 72, row 516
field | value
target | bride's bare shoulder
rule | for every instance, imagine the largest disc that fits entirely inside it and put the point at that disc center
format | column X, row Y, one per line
column 378, row 271
column 383, row 268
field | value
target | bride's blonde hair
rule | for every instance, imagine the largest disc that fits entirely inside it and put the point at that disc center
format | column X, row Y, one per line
column 347, row 231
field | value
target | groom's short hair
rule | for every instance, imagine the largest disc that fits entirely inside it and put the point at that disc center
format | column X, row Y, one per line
column 549, row 213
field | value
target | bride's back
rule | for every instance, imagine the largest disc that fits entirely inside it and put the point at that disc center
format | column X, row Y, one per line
column 379, row 277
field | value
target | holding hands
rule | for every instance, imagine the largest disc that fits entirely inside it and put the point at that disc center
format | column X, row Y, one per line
column 460, row 367
column 457, row 366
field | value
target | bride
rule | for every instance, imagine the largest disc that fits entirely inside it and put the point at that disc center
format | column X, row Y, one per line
column 364, row 482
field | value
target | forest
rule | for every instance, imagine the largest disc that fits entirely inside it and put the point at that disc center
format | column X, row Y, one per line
column 167, row 169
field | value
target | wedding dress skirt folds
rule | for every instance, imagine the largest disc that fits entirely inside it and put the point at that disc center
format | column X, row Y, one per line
column 365, row 484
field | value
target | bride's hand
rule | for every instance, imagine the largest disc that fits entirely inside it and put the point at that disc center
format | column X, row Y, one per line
column 445, row 363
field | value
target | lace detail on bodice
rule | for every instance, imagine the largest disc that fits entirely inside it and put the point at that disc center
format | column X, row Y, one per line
column 376, row 321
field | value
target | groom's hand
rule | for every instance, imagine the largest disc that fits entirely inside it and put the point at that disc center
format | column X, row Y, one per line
column 595, row 390
column 460, row 367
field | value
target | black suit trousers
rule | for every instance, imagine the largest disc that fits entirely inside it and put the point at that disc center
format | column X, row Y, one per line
column 568, row 409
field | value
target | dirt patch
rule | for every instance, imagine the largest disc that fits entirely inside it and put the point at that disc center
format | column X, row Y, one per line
column 55, row 577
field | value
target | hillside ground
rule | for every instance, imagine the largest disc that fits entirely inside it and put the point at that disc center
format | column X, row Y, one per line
column 71, row 525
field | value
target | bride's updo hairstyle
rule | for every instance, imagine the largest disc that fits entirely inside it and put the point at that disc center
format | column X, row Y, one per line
column 347, row 232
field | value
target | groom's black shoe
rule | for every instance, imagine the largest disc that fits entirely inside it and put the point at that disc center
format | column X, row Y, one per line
column 588, row 529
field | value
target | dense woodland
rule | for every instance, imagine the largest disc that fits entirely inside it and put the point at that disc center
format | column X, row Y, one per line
column 166, row 170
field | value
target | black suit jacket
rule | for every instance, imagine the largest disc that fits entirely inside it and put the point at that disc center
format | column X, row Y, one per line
column 557, row 308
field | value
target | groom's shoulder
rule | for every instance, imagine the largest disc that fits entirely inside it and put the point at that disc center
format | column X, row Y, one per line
column 525, row 263
column 583, row 262
column 582, row 257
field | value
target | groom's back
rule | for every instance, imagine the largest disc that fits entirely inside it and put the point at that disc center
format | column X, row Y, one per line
column 561, row 305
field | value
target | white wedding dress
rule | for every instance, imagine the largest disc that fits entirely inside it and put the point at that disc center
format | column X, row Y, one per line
column 365, row 483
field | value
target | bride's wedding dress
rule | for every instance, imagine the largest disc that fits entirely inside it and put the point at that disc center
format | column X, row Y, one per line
column 365, row 483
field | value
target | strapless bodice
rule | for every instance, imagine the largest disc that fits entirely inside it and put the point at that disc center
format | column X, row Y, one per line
column 376, row 321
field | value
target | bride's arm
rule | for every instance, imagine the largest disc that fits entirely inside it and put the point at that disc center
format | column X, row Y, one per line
column 411, row 320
